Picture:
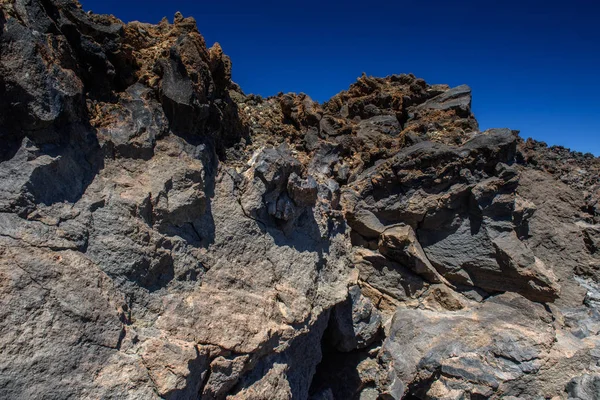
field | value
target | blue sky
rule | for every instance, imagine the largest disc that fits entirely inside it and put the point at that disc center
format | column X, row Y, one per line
column 533, row 65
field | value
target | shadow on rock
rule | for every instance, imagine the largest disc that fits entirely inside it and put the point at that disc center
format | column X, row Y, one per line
column 64, row 172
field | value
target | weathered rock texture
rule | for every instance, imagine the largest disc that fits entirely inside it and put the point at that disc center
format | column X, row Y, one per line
column 164, row 235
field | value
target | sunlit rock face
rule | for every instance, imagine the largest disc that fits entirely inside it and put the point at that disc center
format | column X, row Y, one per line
column 164, row 235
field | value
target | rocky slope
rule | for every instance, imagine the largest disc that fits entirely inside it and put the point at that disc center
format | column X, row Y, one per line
column 164, row 235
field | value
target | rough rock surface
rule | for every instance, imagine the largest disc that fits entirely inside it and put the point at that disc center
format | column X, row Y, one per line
column 164, row 235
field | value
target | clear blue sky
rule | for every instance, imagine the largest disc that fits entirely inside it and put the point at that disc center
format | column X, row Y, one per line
column 534, row 65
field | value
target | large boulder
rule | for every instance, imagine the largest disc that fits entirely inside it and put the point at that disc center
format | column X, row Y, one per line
column 489, row 350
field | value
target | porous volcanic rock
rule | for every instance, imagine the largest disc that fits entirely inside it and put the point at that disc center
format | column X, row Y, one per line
column 163, row 235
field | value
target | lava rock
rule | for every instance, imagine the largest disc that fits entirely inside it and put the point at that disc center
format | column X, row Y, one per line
column 400, row 244
column 456, row 98
column 355, row 323
column 331, row 126
column 164, row 235
column 302, row 191
column 584, row 387
column 365, row 223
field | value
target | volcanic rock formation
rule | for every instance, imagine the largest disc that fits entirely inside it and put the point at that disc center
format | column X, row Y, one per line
column 165, row 236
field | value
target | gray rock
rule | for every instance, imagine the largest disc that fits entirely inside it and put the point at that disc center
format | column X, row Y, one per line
column 274, row 166
column 365, row 223
column 400, row 244
column 331, row 126
column 478, row 348
column 282, row 209
column 302, row 191
column 139, row 123
column 370, row 129
column 458, row 97
column 163, row 235
column 584, row 387
column 387, row 277
column 355, row 323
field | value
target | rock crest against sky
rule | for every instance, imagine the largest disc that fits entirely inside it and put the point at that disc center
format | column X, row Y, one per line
column 532, row 64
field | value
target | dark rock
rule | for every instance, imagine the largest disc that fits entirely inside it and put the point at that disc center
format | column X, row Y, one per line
column 137, row 125
column 325, row 394
column 458, row 98
column 370, row 129
column 387, row 277
column 182, row 107
column 302, row 191
column 355, row 323
column 220, row 66
column 311, row 140
column 591, row 235
column 164, row 235
column 331, row 126
column 33, row 14
column 365, row 223
column 36, row 93
column 282, row 209
column 300, row 110
column 274, row 166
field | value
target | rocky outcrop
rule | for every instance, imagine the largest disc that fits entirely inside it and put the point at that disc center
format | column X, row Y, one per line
column 164, row 235
column 471, row 353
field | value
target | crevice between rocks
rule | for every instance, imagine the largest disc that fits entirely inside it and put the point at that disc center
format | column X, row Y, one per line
column 339, row 372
